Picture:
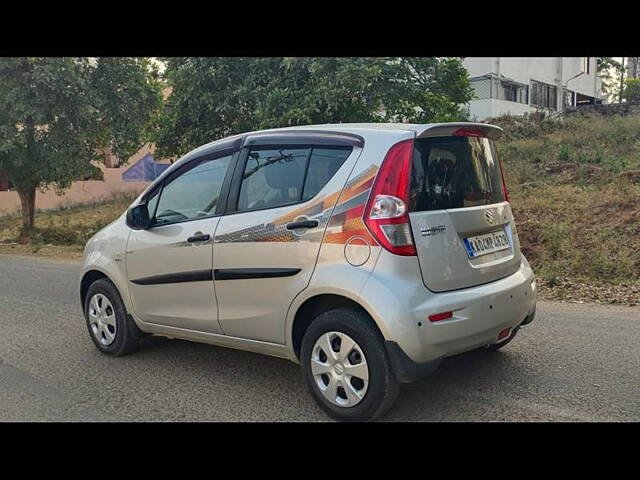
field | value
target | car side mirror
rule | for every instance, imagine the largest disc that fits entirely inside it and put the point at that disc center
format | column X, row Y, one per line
column 138, row 217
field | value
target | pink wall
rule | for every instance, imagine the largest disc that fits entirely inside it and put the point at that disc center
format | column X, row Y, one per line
column 82, row 192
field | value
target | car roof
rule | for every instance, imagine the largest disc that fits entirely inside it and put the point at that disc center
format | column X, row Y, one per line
column 364, row 129
column 420, row 129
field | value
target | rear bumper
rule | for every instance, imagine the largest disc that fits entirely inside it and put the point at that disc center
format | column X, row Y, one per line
column 530, row 317
column 479, row 314
column 407, row 371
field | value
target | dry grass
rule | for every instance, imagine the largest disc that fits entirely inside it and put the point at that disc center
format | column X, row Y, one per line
column 586, row 233
column 54, row 252
column 62, row 232
column 575, row 192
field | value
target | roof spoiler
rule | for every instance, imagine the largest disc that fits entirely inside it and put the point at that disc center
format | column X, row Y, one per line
column 449, row 129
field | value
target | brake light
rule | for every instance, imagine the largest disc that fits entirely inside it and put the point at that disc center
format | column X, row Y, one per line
column 386, row 213
column 469, row 132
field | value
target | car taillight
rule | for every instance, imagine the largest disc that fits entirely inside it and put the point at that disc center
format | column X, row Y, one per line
column 386, row 214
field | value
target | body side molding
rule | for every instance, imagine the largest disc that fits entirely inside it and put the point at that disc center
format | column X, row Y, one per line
column 178, row 277
column 247, row 273
column 218, row 274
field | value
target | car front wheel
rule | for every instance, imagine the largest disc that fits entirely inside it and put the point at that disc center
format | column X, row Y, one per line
column 110, row 328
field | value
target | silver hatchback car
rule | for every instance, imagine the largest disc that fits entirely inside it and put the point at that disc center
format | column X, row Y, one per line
column 367, row 253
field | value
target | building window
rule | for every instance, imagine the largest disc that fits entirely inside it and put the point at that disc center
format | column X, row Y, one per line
column 588, row 65
column 515, row 93
column 510, row 93
column 568, row 99
column 544, row 95
column 502, row 89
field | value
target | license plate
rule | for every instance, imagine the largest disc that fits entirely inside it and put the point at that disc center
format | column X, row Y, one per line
column 479, row 245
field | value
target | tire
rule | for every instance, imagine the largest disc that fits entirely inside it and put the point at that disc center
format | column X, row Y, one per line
column 368, row 399
column 126, row 334
column 494, row 347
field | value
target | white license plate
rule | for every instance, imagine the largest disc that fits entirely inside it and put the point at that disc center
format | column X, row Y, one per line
column 486, row 243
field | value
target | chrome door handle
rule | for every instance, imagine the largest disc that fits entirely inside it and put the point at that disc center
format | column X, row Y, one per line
column 303, row 224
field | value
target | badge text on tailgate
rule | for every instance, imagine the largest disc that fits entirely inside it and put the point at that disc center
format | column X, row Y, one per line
column 430, row 231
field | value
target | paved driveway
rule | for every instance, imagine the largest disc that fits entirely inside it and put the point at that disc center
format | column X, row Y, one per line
column 574, row 363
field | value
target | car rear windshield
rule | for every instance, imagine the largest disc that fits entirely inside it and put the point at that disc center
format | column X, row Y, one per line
column 454, row 172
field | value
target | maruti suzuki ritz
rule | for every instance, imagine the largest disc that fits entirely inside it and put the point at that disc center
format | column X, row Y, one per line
column 367, row 253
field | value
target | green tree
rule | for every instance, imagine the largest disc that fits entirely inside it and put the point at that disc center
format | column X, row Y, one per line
column 58, row 114
column 609, row 70
column 631, row 91
column 216, row 97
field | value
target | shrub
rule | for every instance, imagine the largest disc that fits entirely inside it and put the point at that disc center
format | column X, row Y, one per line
column 631, row 91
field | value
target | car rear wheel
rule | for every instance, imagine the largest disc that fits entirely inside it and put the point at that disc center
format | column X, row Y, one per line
column 113, row 332
column 346, row 367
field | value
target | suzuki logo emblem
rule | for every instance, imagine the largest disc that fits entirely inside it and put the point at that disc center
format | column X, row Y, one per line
column 489, row 216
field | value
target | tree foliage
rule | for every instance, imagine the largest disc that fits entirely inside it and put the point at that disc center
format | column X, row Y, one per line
column 215, row 97
column 609, row 71
column 56, row 114
column 631, row 91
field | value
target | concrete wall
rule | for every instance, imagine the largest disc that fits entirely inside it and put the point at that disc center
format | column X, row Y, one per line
column 547, row 70
column 612, row 109
column 542, row 69
column 554, row 71
column 491, row 108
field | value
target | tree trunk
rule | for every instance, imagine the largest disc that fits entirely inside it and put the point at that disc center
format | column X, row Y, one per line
column 28, row 207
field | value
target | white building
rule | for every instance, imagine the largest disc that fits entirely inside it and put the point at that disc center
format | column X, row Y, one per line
column 517, row 85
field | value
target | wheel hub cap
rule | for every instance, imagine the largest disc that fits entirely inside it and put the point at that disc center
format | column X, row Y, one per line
column 102, row 319
column 340, row 369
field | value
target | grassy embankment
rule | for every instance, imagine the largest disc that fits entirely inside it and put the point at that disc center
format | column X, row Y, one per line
column 62, row 233
column 575, row 192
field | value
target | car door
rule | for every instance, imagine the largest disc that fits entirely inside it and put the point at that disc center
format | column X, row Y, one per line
column 266, row 246
column 169, row 265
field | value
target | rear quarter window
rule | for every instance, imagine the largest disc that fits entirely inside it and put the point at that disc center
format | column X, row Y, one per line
column 454, row 172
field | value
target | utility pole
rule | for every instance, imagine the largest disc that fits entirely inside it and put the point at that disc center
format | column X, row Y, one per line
column 621, row 81
column 633, row 67
column 560, row 97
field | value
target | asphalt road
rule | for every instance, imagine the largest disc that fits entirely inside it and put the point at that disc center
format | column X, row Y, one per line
column 574, row 363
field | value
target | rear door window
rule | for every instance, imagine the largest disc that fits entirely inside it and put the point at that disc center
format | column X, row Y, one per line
column 454, row 172
column 275, row 177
